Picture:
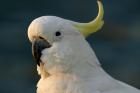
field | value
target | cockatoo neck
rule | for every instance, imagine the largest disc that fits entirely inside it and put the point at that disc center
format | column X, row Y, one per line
column 88, row 65
column 85, row 70
column 76, row 58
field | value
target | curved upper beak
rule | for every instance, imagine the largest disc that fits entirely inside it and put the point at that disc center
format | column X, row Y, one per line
column 37, row 46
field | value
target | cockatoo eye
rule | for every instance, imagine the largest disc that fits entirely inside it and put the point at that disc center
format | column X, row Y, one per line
column 58, row 35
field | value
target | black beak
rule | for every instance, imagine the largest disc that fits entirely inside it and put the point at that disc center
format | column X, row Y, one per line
column 37, row 46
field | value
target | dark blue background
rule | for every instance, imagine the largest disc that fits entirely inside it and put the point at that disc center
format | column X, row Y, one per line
column 117, row 45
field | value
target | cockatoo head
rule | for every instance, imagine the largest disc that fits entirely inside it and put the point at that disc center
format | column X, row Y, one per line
column 59, row 44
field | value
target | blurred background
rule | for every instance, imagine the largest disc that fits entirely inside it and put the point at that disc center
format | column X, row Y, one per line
column 117, row 45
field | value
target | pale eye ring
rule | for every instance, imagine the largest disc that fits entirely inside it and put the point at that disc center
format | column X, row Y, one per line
column 58, row 33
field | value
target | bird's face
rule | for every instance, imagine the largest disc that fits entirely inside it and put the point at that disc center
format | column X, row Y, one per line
column 55, row 43
column 58, row 43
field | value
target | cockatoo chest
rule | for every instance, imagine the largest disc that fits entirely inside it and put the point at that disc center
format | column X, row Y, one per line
column 61, row 84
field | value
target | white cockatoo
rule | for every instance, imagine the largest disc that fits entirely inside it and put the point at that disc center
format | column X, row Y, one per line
column 65, row 60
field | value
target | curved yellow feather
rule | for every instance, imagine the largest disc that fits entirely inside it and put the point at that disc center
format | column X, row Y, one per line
column 88, row 28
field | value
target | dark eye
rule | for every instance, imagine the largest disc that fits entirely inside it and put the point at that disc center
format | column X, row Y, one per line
column 57, row 33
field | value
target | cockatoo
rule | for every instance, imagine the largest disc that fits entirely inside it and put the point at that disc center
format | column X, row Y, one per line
column 65, row 60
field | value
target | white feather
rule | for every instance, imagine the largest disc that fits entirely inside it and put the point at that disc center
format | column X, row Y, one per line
column 70, row 65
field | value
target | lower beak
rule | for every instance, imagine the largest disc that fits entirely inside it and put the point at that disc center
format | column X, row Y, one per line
column 37, row 46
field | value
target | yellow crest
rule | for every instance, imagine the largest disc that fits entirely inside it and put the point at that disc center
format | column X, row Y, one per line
column 88, row 28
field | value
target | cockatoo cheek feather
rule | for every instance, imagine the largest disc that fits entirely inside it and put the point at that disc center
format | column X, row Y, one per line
column 61, row 56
